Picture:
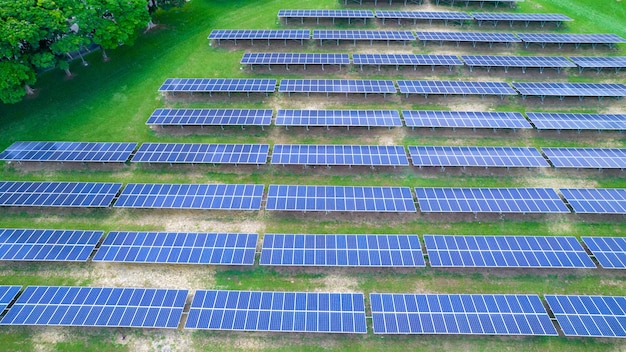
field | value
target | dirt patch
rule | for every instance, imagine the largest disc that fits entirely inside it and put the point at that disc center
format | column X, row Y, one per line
column 45, row 338
column 161, row 341
column 559, row 183
column 338, row 283
column 152, row 275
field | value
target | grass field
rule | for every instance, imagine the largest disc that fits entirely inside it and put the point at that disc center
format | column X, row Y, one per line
column 111, row 102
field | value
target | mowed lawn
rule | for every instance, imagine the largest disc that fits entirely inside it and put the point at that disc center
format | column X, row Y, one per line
column 111, row 102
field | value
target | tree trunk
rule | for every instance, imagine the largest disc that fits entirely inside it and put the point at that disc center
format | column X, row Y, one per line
column 104, row 54
column 68, row 73
column 150, row 25
column 29, row 90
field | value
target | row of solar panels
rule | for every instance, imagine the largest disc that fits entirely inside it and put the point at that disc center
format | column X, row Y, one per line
column 324, row 250
column 392, row 313
column 312, row 198
column 311, row 154
column 511, row 3
column 422, row 87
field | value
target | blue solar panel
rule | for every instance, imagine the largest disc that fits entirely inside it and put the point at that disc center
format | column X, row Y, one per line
column 541, row 62
column 470, row 37
column 326, row 13
column 599, row 62
column 506, row 252
column 397, row 313
column 542, row 18
column 277, row 311
column 476, row 156
column 339, row 198
column 7, row 294
column 69, row 151
column 597, row 158
column 237, row 34
column 188, row 153
column 596, row 201
column 406, row 60
column 342, row 250
column 481, row 2
column 355, row 35
column 349, row 118
column 47, row 245
column 97, row 306
column 562, row 89
column 57, row 194
column 294, row 59
column 568, row 121
column 336, row 86
column 208, row 85
column 610, row 252
column 424, row 15
column 490, row 200
column 178, row 248
column 455, row 87
column 464, row 119
column 191, row 196
column 308, row 154
column 576, row 39
column 593, row 316
column 210, row 117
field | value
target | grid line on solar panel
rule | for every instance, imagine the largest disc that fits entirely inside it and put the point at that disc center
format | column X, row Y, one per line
column 424, row 15
column 490, row 200
column 57, row 194
column 190, row 153
column 326, row 13
column 506, row 252
column 593, row 316
column 596, row 200
column 517, row 61
column 235, row 34
column 191, row 196
column 406, row 59
column 208, row 85
column 341, row 250
column 397, row 313
column 569, row 121
column 97, row 306
column 310, row 154
column 211, row 117
column 357, row 118
column 464, row 119
column 599, row 62
column 486, row 37
column 597, row 158
column 476, row 156
column 455, row 87
column 294, row 59
column 339, row 198
column 563, row 89
column 562, row 38
column 336, row 86
column 47, row 245
column 178, row 248
column 362, row 35
column 7, row 294
column 610, row 252
column 69, row 151
column 532, row 17
column 277, row 311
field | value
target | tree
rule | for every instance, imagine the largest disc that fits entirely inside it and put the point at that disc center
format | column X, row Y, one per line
column 16, row 80
column 154, row 5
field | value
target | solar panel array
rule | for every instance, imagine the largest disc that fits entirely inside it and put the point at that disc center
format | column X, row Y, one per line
column 597, row 158
column 490, row 200
column 339, row 198
column 342, row 250
column 596, row 316
column 406, row 59
column 211, row 117
column 47, row 245
column 178, row 248
column 596, row 200
column 569, row 121
column 336, row 86
column 476, row 156
column 326, row 13
column 294, row 59
column 524, row 17
column 464, row 119
column 516, row 61
column 356, row 118
column 69, row 151
column 370, row 155
column 610, row 252
column 218, row 85
column 202, row 153
column 191, row 196
column 397, row 313
column 561, row 89
column 277, row 311
column 473, row 37
column 7, row 294
column 563, row 38
column 455, row 87
column 235, row 34
column 97, row 306
column 424, row 15
column 362, row 35
column 506, row 252
column 57, row 194
column 599, row 62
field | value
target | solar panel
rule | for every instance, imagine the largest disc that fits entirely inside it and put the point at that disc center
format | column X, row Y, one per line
column 471, row 37
column 593, row 316
column 464, row 119
column 397, row 313
column 277, row 311
column 406, row 60
column 189, row 153
column 339, row 198
column 68, row 151
column 424, row 15
column 563, row 38
column 481, row 2
column 599, row 62
column 355, row 35
column 455, row 87
column 211, row 117
column 310, row 154
column 349, row 118
column 489, row 200
column 542, row 18
column 596, row 201
column 191, row 196
column 7, row 294
column 610, row 252
column 476, row 156
column 562, row 89
column 178, row 248
column 349, row 14
column 208, row 85
column 97, row 306
column 597, row 158
column 47, row 245
column 506, row 252
column 342, row 250
column 294, row 59
column 336, row 86
column 541, row 62
column 568, row 121
column 57, row 194
column 239, row 34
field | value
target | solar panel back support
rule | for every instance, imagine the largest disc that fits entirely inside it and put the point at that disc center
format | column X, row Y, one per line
column 349, row 15
column 481, row 3
column 406, row 2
